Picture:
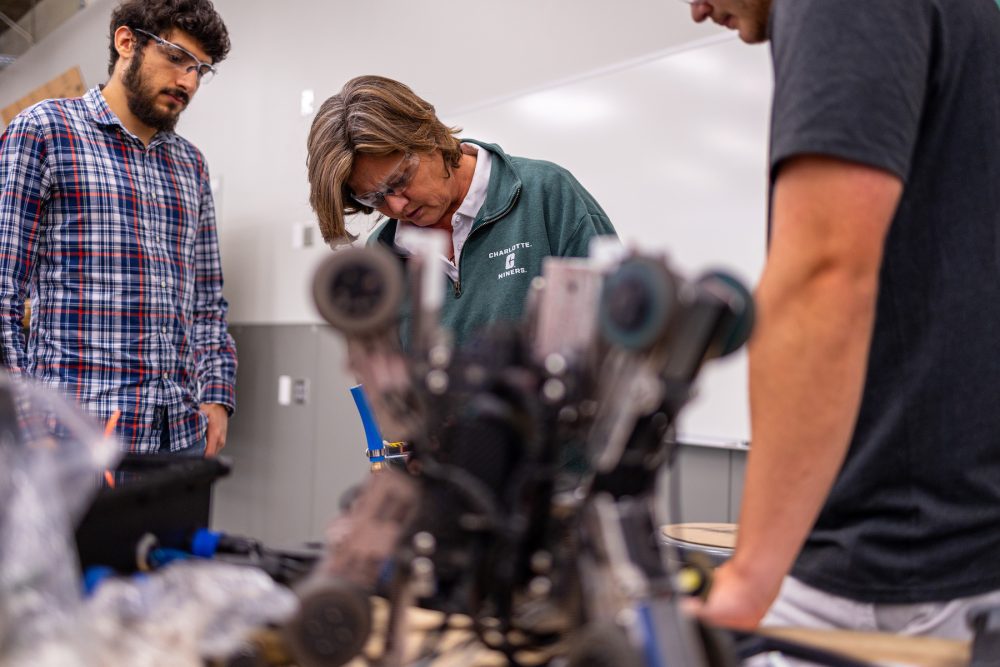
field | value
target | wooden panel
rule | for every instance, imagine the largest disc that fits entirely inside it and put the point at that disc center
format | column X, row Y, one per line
column 67, row 84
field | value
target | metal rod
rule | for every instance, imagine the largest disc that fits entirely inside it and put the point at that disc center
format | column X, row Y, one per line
column 16, row 28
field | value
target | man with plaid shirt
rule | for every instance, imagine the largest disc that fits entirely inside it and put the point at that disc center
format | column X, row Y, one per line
column 107, row 224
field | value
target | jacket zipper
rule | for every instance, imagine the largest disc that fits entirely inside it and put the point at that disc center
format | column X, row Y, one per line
column 488, row 221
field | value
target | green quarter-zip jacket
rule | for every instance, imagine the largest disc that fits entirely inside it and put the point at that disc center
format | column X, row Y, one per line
column 534, row 209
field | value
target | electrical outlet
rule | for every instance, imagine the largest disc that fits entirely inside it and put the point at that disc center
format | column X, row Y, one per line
column 300, row 391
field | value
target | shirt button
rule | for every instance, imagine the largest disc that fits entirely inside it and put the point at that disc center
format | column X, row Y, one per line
column 163, row 283
column 165, row 375
column 163, row 330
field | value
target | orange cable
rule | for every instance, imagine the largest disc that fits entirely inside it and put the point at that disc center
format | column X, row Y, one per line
column 109, row 429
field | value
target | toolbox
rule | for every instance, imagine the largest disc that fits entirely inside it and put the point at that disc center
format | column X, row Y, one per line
column 166, row 497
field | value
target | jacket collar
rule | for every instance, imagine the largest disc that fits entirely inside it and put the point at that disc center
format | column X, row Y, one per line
column 503, row 190
column 505, row 184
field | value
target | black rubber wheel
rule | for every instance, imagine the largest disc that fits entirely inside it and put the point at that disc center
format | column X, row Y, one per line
column 359, row 290
column 332, row 626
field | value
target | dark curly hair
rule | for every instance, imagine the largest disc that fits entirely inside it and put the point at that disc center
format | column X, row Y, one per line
column 198, row 18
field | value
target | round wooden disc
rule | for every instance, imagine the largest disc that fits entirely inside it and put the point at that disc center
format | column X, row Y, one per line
column 718, row 535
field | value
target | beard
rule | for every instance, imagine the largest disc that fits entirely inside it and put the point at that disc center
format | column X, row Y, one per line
column 141, row 99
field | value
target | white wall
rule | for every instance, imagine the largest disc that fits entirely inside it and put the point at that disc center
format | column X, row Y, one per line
column 673, row 145
column 663, row 120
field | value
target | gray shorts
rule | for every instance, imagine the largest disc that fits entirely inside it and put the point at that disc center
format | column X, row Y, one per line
column 800, row 605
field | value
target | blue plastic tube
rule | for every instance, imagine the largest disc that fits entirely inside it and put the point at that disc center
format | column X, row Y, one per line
column 376, row 450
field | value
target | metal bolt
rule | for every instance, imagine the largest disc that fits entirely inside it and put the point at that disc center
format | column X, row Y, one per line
column 422, row 567
column 553, row 390
column 541, row 562
column 540, row 587
column 423, row 577
column 555, row 364
column 437, row 381
column 424, row 543
column 439, row 355
column 568, row 414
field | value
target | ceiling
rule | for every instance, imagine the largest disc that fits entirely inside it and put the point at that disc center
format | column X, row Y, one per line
column 32, row 19
column 14, row 10
column 13, row 40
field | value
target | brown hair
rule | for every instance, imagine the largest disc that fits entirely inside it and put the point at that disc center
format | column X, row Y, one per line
column 198, row 18
column 376, row 116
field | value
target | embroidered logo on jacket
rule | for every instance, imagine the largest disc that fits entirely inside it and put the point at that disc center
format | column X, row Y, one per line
column 510, row 260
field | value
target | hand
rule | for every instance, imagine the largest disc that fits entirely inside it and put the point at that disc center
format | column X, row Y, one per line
column 218, row 423
column 734, row 601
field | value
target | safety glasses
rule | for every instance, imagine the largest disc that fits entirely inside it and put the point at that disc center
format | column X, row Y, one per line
column 181, row 58
column 394, row 184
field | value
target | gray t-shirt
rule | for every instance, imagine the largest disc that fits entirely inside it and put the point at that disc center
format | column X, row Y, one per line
column 912, row 87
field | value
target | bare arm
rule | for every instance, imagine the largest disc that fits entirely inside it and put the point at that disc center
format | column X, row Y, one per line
column 816, row 310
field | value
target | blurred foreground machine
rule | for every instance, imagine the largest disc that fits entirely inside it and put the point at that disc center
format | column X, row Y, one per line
column 528, row 501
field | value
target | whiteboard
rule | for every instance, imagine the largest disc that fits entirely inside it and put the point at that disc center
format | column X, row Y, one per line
column 674, row 148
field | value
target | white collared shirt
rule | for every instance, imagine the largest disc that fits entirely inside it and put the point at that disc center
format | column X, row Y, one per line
column 461, row 221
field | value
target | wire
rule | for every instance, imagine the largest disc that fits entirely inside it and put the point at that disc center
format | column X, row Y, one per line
column 477, row 493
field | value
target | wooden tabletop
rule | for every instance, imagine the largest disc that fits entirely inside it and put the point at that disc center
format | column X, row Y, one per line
column 459, row 647
column 881, row 647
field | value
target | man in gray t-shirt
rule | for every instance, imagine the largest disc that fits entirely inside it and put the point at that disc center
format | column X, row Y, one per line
column 874, row 475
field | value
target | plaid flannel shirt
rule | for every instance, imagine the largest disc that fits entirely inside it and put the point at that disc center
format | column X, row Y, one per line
column 115, row 243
